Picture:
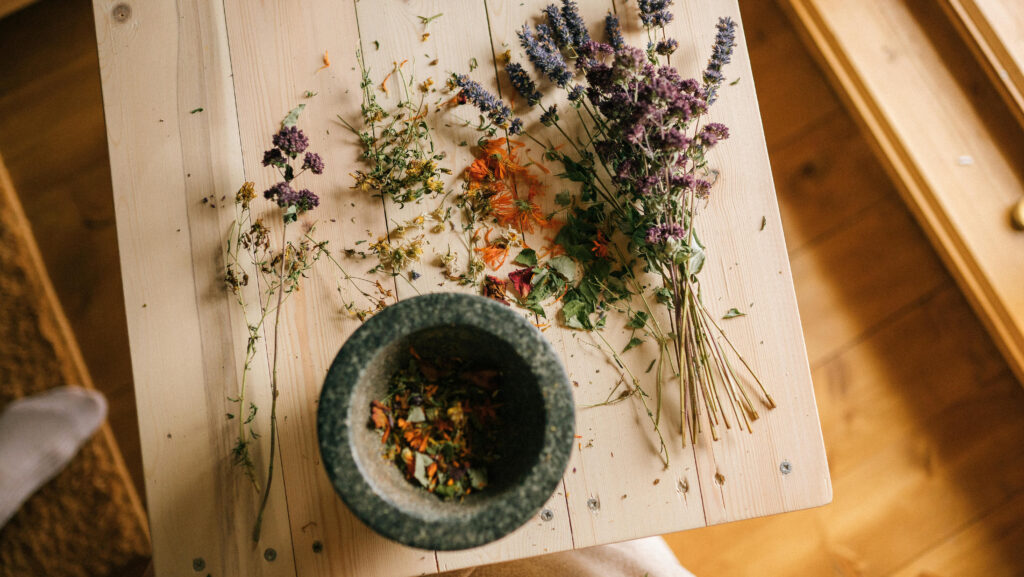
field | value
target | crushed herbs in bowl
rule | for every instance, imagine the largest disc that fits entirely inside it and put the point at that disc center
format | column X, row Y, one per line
column 439, row 422
column 446, row 421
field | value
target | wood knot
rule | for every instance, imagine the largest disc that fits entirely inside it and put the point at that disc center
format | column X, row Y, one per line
column 122, row 12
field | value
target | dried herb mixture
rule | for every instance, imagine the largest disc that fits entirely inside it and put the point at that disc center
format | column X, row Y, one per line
column 439, row 424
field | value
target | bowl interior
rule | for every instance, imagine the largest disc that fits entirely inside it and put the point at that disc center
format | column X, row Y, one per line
column 521, row 417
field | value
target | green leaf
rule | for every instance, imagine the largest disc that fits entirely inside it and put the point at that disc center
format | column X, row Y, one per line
column 764, row 222
column 577, row 313
column 421, row 463
column 478, row 478
column 416, row 415
column 633, row 342
column 733, row 313
column 563, row 198
column 695, row 263
column 293, row 116
column 638, row 320
column 527, row 257
column 196, row 110
column 565, row 266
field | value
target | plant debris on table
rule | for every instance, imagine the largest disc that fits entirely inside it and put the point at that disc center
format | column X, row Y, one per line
column 439, row 424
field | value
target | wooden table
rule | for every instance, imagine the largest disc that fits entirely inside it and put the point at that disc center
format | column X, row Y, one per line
column 246, row 63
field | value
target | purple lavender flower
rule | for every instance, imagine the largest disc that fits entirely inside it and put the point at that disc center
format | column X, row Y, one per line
column 274, row 157
column 522, row 83
column 559, row 30
column 545, row 56
column 291, row 141
column 516, row 126
column 614, row 31
column 666, row 47
column 577, row 27
column 313, row 163
column 576, row 93
column 721, row 54
column 655, row 13
column 497, row 111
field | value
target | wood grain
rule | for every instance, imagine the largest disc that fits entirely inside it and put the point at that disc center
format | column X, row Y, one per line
column 246, row 67
column 935, row 148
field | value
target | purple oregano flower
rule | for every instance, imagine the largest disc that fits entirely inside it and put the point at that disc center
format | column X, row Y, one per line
column 289, row 142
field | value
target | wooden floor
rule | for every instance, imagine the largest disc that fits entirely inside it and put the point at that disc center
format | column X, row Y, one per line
column 923, row 423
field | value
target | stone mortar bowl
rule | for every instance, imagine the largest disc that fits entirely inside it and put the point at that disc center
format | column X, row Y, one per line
column 537, row 418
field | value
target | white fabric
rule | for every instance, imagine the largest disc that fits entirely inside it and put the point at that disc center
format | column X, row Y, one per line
column 39, row 435
column 651, row 557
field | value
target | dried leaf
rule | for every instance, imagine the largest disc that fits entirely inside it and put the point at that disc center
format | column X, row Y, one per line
column 733, row 313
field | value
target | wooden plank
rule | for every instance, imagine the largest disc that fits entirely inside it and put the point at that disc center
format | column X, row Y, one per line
column 164, row 160
column 935, row 148
column 994, row 29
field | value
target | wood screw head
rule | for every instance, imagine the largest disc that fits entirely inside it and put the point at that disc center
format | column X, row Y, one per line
column 547, row 515
column 270, row 554
column 785, row 468
column 198, row 564
column 122, row 12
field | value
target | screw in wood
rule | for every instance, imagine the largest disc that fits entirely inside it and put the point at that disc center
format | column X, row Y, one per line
column 547, row 515
column 198, row 564
column 318, row 546
column 270, row 554
column 785, row 467
column 593, row 504
column 122, row 12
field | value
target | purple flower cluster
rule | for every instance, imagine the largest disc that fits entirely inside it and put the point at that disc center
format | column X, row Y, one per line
column 721, row 54
column 713, row 132
column 285, row 196
column 496, row 111
column 522, row 83
column 313, row 163
column 542, row 51
column 663, row 233
column 655, row 13
column 614, row 32
column 289, row 143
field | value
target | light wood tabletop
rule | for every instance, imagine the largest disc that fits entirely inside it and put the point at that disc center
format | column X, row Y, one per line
column 245, row 64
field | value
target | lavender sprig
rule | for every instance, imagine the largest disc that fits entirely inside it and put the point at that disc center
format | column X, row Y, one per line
column 721, row 54
column 655, row 13
column 490, row 105
column 614, row 31
column 544, row 56
column 522, row 83
column 559, row 29
column 577, row 27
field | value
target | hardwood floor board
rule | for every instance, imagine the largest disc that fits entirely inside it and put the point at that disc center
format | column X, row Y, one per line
column 903, row 498
column 825, row 179
column 857, row 277
column 980, row 550
column 53, row 138
column 784, row 73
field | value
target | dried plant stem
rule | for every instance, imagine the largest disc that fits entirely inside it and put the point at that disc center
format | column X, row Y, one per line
column 273, row 386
